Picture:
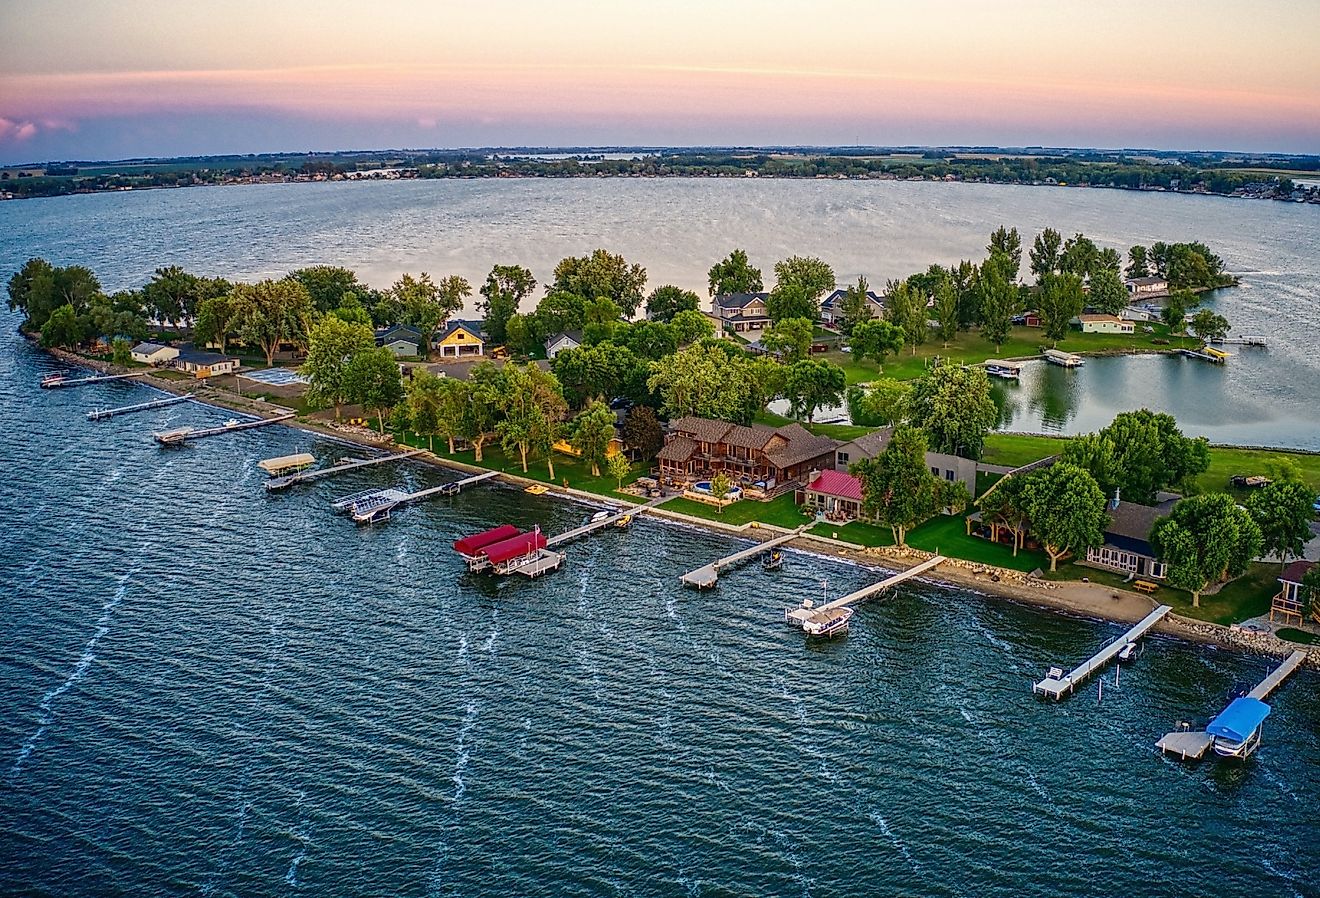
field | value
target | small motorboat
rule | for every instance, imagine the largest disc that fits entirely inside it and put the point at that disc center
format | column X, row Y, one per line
column 772, row 561
column 624, row 522
column 52, row 380
column 1127, row 652
column 828, row 623
column 232, row 422
column 598, row 517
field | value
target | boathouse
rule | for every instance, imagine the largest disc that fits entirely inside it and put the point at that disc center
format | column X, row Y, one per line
column 1291, row 602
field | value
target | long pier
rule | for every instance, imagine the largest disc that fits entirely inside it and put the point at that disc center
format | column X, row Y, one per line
column 54, row 384
column 102, row 414
column 806, row 612
column 1058, row 686
column 708, row 575
column 593, row 526
column 376, row 505
column 1192, row 745
column 184, row 434
column 275, row 484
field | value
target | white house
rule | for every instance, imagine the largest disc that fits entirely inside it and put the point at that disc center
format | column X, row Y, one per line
column 154, row 353
column 741, row 312
column 1105, row 324
column 561, row 341
column 1143, row 288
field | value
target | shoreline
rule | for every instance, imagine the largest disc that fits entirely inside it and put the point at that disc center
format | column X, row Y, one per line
column 1087, row 601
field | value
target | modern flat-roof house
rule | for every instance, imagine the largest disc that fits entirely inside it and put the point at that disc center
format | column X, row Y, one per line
column 1146, row 287
column 946, row 467
column 1127, row 547
column 204, row 364
column 831, row 310
column 1290, row 605
column 400, row 339
column 834, row 493
column 1105, row 324
column 460, row 340
column 741, row 312
column 154, row 353
column 764, row 460
column 561, row 341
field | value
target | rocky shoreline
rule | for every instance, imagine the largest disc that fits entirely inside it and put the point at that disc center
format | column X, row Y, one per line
column 1085, row 600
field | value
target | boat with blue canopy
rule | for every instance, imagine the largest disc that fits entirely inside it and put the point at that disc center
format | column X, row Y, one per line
column 1236, row 731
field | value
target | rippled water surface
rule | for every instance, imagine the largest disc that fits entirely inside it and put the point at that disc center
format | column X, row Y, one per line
column 678, row 227
column 206, row 690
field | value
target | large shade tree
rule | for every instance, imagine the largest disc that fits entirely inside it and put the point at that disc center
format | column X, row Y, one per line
column 734, row 274
column 1283, row 512
column 810, row 384
column 331, row 346
column 1204, row 540
column 602, row 274
column 898, row 489
column 272, row 313
column 505, row 288
column 953, row 405
column 1066, row 509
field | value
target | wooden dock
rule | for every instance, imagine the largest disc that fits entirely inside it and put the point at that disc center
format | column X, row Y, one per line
column 184, row 434
column 1244, row 340
column 275, row 484
column 593, row 526
column 102, row 414
column 53, row 384
column 1059, row 686
column 1191, row 745
column 708, row 575
column 374, row 506
column 799, row 616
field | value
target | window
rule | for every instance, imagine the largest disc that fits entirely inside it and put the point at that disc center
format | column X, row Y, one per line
column 843, row 458
column 948, row 475
column 935, row 471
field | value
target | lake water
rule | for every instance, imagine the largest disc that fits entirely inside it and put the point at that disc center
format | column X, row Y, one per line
column 205, row 690
column 677, row 228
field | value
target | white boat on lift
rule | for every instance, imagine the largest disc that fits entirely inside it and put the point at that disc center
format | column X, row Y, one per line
column 1236, row 731
column 1127, row 652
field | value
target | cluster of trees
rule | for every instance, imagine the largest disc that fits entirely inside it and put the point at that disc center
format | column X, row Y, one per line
column 898, row 489
column 1186, row 266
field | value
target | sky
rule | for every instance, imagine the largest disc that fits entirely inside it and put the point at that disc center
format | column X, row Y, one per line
column 107, row 80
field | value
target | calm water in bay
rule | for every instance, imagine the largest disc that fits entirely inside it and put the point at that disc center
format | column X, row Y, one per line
column 206, row 690
column 677, row 228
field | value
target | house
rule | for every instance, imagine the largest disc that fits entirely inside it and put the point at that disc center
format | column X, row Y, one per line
column 1105, row 324
column 1290, row 604
column 944, row 466
column 460, row 340
column 766, row 460
column 831, row 308
column 561, row 341
column 740, row 312
column 154, row 353
column 834, row 493
column 400, row 339
column 1127, row 547
column 1137, row 313
column 204, row 364
column 1147, row 287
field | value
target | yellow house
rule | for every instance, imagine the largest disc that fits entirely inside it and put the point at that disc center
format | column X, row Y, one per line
column 461, row 340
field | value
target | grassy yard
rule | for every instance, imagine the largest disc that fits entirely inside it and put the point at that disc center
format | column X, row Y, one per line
column 1247, row 596
column 782, row 511
column 1292, row 634
column 1015, row 450
column 970, row 348
column 945, row 534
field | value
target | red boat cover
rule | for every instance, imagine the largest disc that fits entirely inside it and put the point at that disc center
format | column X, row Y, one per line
column 522, row 544
column 472, row 545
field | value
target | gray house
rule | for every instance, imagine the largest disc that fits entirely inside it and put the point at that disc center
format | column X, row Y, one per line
column 400, row 339
column 952, row 468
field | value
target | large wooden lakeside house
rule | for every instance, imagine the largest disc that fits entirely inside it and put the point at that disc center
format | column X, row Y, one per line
column 765, row 461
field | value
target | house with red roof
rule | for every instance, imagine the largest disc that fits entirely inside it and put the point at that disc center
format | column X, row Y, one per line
column 835, row 493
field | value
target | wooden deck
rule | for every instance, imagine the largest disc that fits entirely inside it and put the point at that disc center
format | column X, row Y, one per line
column 279, row 483
column 1276, row 677
column 708, row 575
column 376, row 505
column 1058, row 688
column 84, row 381
column 102, row 414
column 801, row 615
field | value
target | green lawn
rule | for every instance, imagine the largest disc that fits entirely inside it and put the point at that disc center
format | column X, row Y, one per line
column 1014, row 450
column 781, row 511
column 1292, row 634
column 945, row 534
column 1247, row 596
column 841, row 432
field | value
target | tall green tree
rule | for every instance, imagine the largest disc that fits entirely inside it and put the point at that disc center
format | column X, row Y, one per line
column 1282, row 511
column 172, row 294
column 642, row 431
column 1045, row 253
column 505, row 288
column 1059, row 300
column 649, row 340
column 427, row 304
column 619, row 467
column 854, row 307
column 1149, row 453
column 692, row 327
column 1066, row 510
column 953, row 405
column 372, row 380
column 701, row 380
column 1006, row 505
column 811, row 275
column 327, row 285
column 1079, row 256
column 272, row 313
column 1138, row 265
column 591, row 433
column 1208, row 327
column 811, row 384
column 966, row 278
column 791, row 338
column 947, row 314
column 878, row 403
column 532, row 411
column 998, row 300
column 602, row 274
column 734, row 274
column 217, row 320
column 791, row 301
column 1007, row 242
column 1108, row 293
column 489, row 384
column 898, row 489
column 62, row 329
column 906, row 310
column 667, row 301
column 331, row 346
column 422, row 399
column 876, row 339
column 39, row 288
column 1204, row 540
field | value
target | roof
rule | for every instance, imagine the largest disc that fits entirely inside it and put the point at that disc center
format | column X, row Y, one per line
column 873, row 443
column 679, row 448
column 801, row 449
column 200, row 357
column 1148, row 281
column 299, row 459
column 1240, row 719
column 738, row 300
column 707, row 430
column 838, row 295
column 149, row 348
column 395, row 331
column 522, row 544
column 470, row 545
column 1096, row 317
column 472, row 327
column 837, row 483
column 573, row 336
column 1130, row 524
column 757, row 436
column 1294, row 572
